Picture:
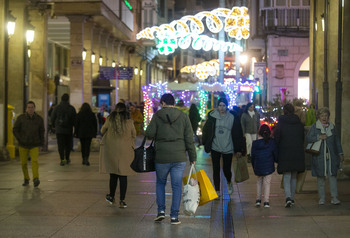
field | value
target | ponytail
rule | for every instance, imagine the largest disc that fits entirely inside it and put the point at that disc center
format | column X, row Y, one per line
column 265, row 132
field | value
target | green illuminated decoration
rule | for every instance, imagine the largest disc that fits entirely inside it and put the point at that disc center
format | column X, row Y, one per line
column 128, row 4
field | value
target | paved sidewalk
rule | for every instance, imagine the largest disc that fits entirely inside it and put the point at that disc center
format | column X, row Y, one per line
column 70, row 203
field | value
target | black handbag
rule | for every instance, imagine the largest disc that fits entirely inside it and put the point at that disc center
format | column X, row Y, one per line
column 144, row 158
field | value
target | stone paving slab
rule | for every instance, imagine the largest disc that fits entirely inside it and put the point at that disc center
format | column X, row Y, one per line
column 70, row 203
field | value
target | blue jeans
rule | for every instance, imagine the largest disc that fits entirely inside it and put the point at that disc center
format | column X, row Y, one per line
column 176, row 171
column 290, row 184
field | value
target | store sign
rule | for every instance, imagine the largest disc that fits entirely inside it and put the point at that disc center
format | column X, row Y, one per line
column 246, row 88
column 125, row 73
column 107, row 73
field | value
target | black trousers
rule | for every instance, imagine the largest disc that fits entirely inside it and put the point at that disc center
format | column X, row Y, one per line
column 123, row 183
column 64, row 142
column 227, row 163
column 85, row 147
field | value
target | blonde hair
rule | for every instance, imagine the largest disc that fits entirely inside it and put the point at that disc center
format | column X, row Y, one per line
column 323, row 110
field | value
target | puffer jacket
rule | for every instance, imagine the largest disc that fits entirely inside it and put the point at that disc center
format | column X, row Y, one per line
column 172, row 131
column 29, row 131
column 264, row 157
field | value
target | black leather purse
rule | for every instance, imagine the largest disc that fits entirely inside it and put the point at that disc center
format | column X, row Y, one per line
column 144, row 158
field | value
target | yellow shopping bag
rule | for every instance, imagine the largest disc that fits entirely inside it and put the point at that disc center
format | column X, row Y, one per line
column 207, row 190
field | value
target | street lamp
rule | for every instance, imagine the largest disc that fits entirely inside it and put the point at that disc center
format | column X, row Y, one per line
column 136, row 70
column 11, row 23
column 113, row 64
column 29, row 37
column 93, row 57
column 30, row 34
column 83, row 54
column 100, row 60
column 141, row 71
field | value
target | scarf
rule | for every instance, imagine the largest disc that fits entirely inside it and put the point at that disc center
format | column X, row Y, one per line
column 251, row 113
column 326, row 154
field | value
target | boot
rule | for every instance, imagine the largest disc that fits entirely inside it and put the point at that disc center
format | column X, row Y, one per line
column 87, row 163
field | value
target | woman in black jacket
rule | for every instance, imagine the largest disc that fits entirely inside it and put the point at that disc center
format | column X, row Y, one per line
column 85, row 130
column 195, row 118
column 289, row 136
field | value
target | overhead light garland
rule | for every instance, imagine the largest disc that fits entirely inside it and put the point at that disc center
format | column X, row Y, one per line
column 181, row 33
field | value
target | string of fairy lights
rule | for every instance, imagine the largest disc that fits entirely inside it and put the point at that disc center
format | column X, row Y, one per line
column 186, row 32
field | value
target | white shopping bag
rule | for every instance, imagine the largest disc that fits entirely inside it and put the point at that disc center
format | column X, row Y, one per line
column 191, row 194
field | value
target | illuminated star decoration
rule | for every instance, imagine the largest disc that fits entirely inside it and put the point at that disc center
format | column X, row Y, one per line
column 187, row 31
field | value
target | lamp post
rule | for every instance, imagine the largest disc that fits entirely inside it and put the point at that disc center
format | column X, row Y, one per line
column 11, row 23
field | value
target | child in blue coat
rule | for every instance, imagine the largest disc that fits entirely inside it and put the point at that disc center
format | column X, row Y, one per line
column 263, row 157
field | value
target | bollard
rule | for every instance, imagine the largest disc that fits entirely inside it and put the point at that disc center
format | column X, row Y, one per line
column 10, row 147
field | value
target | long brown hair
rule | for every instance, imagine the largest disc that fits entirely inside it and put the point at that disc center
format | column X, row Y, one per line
column 118, row 118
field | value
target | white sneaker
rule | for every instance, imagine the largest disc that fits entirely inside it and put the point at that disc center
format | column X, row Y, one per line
column 321, row 201
column 229, row 188
column 335, row 201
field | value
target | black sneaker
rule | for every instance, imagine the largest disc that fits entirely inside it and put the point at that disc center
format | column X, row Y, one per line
column 175, row 221
column 122, row 204
column 160, row 216
column 293, row 202
column 87, row 163
column 62, row 163
column 109, row 199
column 68, row 161
column 26, row 182
column 266, row 204
column 258, row 203
column 288, row 203
column 36, row 182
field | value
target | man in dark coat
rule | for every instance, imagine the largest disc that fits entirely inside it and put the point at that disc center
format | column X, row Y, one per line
column 29, row 132
column 64, row 118
column 289, row 137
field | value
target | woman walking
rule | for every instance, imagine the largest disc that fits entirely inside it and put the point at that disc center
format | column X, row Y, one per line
column 85, row 130
column 264, row 156
column 289, row 136
column 195, row 118
column 118, row 151
column 250, row 122
column 330, row 158
column 222, row 136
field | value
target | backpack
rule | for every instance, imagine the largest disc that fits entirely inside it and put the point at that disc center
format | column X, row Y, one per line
column 63, row 120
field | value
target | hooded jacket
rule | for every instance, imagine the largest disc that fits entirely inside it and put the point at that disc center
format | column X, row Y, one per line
column 172, row 131
column 289, row 136
column 209, row 133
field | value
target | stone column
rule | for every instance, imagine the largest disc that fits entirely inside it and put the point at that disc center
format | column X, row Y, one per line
column 76, row 84
column 17, row 59
column 88, row 31
column 38, row 66
column 346, row 80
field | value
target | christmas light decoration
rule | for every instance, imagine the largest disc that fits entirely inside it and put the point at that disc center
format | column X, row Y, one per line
column 180, row 33
column 155, row 91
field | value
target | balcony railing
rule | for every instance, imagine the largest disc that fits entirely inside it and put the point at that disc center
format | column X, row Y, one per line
column 285, row 19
